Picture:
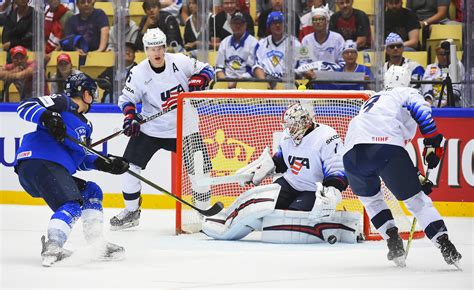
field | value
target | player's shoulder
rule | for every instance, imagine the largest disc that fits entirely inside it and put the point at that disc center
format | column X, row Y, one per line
column 323, row 134
column 141, row 67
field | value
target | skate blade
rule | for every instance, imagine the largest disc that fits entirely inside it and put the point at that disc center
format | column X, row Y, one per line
column 125, row 226
column 400, row 261
column 456, row 264
column 49, row 261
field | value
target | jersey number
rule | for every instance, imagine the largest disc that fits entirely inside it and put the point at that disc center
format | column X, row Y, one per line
column 370, row 103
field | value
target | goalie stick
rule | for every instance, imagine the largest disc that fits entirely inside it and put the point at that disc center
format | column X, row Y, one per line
column 236, row 178
column 213, row 210
column 120, row 132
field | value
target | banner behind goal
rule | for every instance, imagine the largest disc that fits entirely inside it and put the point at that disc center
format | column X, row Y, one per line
column 233, row 128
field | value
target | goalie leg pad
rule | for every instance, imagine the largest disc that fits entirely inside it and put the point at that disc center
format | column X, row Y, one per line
column 294, row 227
column 244, row 215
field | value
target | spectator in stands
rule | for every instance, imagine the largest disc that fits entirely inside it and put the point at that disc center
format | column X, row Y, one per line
column 173, row 7
column 351, row 24
column 219, row 26
column 437, row 71
column 270, row 53
column 106, row 79
column 19, row 73
column 63, row 70
column 56, row 16
column 276, row 5
column 18, row 28
column 459, row 4
column 92, row 24
column 306, row 21
column 429, row 12
column 5, row 8
column 153, row 18
column 323, row 44
column 192, row 29
column 235, row 58
column 394, row 49
column 403, row 22
column 349, row 54
column 131, row 33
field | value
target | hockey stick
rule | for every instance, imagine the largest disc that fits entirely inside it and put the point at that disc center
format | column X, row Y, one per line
column 413, row 225
column 214, row 209
column 120, row 132
column 236, row 178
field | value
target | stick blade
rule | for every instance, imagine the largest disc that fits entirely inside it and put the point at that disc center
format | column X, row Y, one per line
column 213, row 210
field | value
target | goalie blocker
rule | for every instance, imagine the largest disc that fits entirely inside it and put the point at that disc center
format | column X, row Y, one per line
column 254, row 210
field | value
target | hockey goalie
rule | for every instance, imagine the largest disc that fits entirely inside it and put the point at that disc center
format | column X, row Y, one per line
column 300, row 205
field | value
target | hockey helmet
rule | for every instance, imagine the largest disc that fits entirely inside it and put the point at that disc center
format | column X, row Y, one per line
column 76, row 84
column 153, row 37
column 296, row 121
column 396, row 76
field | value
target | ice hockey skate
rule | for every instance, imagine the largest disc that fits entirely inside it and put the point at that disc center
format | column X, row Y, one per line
column 51, row 252
column 125, row 219
column 448, row 250
column 396, row 253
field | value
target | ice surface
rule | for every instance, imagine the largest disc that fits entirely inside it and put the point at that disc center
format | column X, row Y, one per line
column 157, row 258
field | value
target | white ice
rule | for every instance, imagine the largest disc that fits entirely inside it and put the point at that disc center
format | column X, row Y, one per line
column 157, row 258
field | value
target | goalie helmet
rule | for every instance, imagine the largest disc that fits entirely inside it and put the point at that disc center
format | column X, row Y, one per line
column 396, row 76
column 153, row 37
column 296, row 121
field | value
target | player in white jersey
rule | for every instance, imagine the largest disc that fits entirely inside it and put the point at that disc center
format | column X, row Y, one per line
column 236, row 55
column 270, row 51
column 323, row 44
column 156, row 83
column 374, row 148
column 309, row 156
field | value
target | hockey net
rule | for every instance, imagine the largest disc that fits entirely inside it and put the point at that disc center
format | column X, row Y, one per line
column 236, row 126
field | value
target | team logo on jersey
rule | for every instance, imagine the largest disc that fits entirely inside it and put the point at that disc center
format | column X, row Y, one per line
column 297, row 163
column 332, row 138
column 23, row 154
column 330, row 49
column 170, row 97
column 274, row 56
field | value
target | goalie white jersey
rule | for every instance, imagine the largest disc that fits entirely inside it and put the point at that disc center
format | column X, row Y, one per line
column 386, row 118
column 317, row 157
column 152, row 89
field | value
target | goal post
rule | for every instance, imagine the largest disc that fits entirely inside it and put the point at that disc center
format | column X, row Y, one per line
column 221, row 131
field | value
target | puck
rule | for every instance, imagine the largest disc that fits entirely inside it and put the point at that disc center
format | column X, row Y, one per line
column 332, row 239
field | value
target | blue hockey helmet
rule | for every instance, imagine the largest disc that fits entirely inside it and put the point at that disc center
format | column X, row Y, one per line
column 275, row 16
column 76, row 84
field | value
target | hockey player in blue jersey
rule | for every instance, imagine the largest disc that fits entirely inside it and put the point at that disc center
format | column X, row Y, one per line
column 46, row 161
column 374, row 147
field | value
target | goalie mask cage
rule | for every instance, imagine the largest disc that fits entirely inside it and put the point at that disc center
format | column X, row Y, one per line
column 235, row 126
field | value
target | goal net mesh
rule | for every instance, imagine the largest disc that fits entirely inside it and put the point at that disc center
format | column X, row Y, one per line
column 234, row 127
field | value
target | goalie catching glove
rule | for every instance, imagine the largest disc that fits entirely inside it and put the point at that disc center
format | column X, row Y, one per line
column 433, row 151
column 260, row 168
column 326, row 200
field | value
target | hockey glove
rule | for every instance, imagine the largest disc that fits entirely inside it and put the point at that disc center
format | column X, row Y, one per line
column 115, row 165
column 433, row 151
column 326, row 200
column 55, row 124
column 131, row 123
column 426, row 184
column 198, row 82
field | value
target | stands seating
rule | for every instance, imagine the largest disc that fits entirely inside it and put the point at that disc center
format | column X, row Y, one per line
column 136, row 12
column 97, row 62
column 139, row 56
column 419, row 56
column 212, row 56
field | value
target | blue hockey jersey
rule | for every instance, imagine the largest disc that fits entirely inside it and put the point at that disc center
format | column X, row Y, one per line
column 41, row 145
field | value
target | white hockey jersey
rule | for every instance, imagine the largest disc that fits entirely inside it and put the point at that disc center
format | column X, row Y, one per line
column 152, row 89
column 330, row 50
column 390, row 117
column 270, row 56
column 236, row 59
column 317, row 156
